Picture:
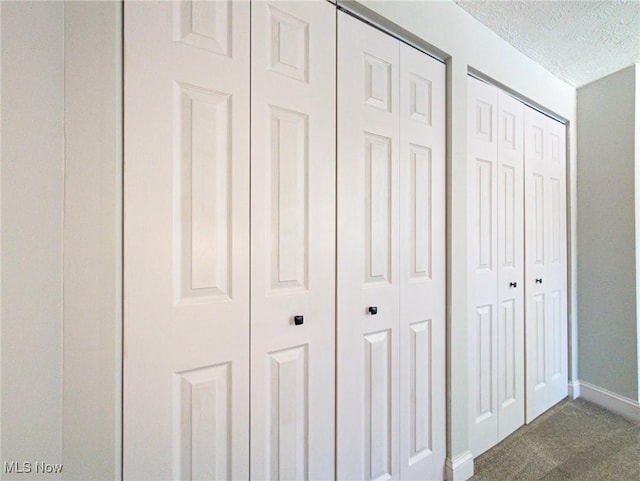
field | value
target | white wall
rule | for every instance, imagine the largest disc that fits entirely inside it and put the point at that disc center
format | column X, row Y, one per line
column 61, row 79
column 607, row 236
column 466, row 44
column 32, row 215
column 92, row 254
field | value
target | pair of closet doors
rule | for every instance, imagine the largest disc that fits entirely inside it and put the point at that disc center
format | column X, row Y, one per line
column 229, row 240
column 391, row 258
column 230, row 272
column 517, row 264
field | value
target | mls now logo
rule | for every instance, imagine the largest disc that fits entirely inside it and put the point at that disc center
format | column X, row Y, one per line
column 26, row 467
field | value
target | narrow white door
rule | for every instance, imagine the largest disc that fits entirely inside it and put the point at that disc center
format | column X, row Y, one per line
column 558, row 364
column 536, row 301
column 422, row 266
column 186, row 241
column 545, row 214
column 368, row 277
column 496, row 265
column 510, row 205
column 482, row 135
column 293, row 240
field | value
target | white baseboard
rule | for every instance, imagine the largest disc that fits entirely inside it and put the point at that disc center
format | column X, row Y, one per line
column 611, row 401
column 460, row 468
column 574, row 389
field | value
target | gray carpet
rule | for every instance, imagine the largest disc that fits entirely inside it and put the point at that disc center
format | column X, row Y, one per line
column 575, row 440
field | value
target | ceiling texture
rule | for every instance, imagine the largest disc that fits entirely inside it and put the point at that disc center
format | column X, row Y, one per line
column 577, row 40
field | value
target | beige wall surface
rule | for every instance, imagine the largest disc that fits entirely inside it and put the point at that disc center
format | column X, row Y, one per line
column 92, row 237
column 32, row 215
column 607, row 249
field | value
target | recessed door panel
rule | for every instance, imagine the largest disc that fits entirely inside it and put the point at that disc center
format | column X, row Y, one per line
column 555, row 224
column 377, row 405
column 288, row 415
column 292, row 240
column 508, row 350
column 420, row 398
column 287, row 43
column 539, row 224
column 202, row 221
column 287, row 200
column 421, row 203
column 205, row 25
column 556, row 334
column 539, row 357
column 202, row 418
column 508, row 227
column 484, row 372
column 484, row 193
column 377, row 202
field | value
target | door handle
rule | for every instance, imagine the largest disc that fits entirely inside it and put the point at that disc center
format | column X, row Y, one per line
column 298, row 320
column 373, row 310
column 513, row 284
column 539, row 280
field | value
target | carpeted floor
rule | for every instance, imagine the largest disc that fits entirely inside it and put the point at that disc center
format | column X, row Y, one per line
column 575, row 440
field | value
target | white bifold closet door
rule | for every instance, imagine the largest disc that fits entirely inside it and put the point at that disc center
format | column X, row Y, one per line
column 546, row 262
column 293, row 240
column 390, row 293
column 191, row 348
column 496, row 265
column 186, row 241
column 422, row 266
column 368, row 253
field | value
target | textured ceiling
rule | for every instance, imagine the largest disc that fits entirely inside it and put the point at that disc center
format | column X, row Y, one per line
column 578, row 41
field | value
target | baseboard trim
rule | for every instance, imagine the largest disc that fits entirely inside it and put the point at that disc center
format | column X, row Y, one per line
column 574, row 389
column 611, row 401
column 460, row 468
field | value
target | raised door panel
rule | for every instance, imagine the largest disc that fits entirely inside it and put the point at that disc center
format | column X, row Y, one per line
column 202, row 408
column 483, row 263
column 422, row 269
column 377, row 406
column 287, row 414
column 293, row 240
column 186, row 241
column 202, row 218
column 367, row 277
column 510, row 239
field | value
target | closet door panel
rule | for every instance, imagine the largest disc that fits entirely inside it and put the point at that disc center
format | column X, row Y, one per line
column 510, row 205
column 422, row 269
column 546, row 304
column 558, row 374
column 368, row 277
column 186, row 241
column 292, row 240
column 536, row 213
column 483, row 264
